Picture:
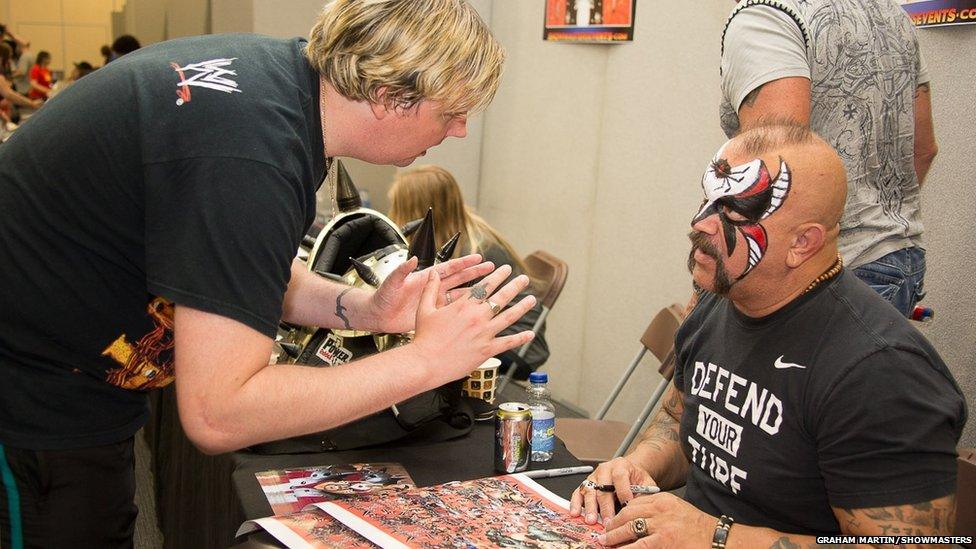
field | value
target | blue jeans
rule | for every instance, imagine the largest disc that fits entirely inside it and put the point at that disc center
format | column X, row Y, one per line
column 897, row 277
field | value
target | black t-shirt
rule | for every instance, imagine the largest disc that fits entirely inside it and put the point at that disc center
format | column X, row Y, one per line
column 834, row 400
column 184, row 173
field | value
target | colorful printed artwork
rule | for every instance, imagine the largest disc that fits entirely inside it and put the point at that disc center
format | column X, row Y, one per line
column 509, row 511
column 292, row 490
column 311, row 528
column 604, row 21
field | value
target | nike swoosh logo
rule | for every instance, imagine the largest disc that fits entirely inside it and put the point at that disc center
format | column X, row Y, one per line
column 780, row 365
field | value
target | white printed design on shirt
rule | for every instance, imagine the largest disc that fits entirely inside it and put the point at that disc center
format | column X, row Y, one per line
column 206, row 74
column 740, row 397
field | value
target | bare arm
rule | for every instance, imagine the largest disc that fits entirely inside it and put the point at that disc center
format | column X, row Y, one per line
column 34, row 84
column 20, row 41
column 779, row 100
column 658, row 451
column 312, row 300
column 925, row 145
column 228, row 396
column 11, row 95
column 931, row 518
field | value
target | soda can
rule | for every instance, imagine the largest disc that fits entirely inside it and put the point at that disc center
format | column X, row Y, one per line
column 513, row 437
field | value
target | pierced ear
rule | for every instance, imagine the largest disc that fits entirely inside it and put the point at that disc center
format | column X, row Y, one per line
column 379, row 108
column 809, row 240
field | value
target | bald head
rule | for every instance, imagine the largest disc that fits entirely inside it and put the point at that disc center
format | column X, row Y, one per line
column 818, row 184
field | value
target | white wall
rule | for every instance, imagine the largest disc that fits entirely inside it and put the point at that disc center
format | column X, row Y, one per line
column 949, row 203
column 594, row 154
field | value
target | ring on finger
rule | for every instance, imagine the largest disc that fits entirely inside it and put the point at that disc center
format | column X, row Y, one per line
column 495, row 308
column 479, row 292
column 448, row 298
column 639, row 526
column 587, row 485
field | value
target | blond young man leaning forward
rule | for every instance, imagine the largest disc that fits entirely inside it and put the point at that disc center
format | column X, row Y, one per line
column 154, row 238
column 802, row 404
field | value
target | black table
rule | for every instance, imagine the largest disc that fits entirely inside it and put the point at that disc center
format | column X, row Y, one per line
column 201, row 500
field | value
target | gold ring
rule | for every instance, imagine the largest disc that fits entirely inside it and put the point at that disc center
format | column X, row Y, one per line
column 639, row 526
column 495, row 308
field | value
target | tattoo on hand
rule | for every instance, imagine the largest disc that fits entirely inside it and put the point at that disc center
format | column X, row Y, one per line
column 340, row 310
column 479, row 292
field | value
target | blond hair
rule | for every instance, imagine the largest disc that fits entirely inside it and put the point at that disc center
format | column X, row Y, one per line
column 423, row 187
column 438, row 50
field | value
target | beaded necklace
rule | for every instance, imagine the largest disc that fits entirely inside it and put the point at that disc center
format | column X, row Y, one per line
column 826, row 275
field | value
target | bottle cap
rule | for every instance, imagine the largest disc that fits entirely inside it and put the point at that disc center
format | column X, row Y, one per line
column 538, row 377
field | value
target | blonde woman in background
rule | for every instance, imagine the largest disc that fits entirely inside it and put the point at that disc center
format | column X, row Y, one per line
column 414, row 191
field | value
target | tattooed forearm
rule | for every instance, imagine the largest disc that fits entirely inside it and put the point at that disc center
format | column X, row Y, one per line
column 926, row 518
column 662, row 432
column 674, row 404
column 340, row 310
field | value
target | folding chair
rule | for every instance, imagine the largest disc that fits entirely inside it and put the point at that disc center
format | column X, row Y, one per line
column 551, row 272
column 594, row 440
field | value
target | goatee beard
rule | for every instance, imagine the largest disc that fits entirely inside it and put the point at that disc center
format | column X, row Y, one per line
column 722, row 284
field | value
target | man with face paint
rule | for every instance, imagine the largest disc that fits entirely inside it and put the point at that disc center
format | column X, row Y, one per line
column 803, row 405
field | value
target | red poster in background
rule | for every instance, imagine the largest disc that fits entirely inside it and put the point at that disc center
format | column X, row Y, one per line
column 605, row 21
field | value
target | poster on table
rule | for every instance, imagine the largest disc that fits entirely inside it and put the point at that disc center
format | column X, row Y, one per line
column 941, row 13
column 506, row 511
column 593, row 21
column 292, row 490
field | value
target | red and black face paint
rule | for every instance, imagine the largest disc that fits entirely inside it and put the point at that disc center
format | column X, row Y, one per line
column 742, row 196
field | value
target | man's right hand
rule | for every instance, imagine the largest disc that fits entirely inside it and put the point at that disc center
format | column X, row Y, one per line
column 620, row 472
column 461, row 335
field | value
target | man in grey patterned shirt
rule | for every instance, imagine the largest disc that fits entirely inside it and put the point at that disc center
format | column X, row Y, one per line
column 851, row 69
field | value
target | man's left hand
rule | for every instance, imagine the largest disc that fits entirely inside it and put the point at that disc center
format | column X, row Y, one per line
column 394, row 304
column 668, row 521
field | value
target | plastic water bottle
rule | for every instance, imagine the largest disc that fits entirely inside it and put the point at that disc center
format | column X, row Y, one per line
column 543, row 417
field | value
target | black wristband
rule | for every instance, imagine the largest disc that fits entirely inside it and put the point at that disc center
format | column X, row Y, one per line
column 721, row 535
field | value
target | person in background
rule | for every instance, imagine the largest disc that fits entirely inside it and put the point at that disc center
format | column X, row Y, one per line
column 7, row 90
column 106, row 52
column 854, row 72
column 40, row 77
column 23, row 60
column 81, row 69
column 417, row 189
column 123, row 45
